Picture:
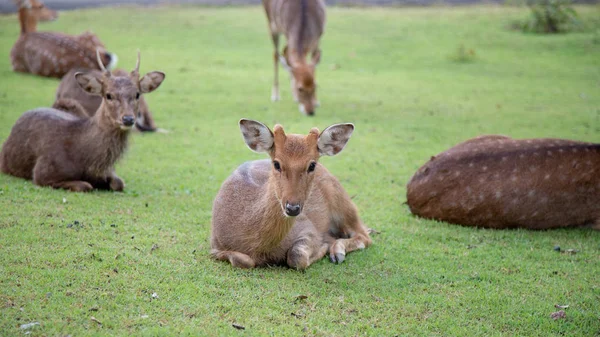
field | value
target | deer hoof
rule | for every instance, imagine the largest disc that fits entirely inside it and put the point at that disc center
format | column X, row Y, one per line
column 337, row 257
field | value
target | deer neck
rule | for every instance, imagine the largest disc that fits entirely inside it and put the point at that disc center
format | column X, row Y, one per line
column 103, row 144
column 275, row 225
column 28, row 22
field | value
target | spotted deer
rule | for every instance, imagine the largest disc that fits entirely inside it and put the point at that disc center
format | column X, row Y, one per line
column 289, row 209
column 53, row 54
column 57, row 149
column 302, row 22
column 69, row 90
column 500, row 182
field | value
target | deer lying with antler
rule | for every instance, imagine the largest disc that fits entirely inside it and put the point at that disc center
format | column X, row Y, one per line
column 500, row 182
column 57, row 149
column 53, row 54
column 289, row 209
column 302, row 22
column 69, row 90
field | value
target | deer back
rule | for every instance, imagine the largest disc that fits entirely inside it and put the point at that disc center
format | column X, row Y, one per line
column 500, row 182
column 302, row 22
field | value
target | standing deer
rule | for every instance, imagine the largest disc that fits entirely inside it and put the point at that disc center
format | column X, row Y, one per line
column 60, row 150
column 302, row 22
column 287, row 210
column 500, row 182
column 69, row 89
column 53, row 54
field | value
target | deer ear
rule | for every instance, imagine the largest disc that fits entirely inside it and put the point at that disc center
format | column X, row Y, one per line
column 89, row 82
column 333, row 139
column 151, row 81
column 257, row 136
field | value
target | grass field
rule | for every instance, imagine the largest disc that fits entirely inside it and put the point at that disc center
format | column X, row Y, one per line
column 65, row 257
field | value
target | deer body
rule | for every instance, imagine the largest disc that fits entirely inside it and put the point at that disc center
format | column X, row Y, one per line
column 292, row 216
column 53, row 54
column 58, row 149
column 302, row 22
column 69, row 89
column 500, row 182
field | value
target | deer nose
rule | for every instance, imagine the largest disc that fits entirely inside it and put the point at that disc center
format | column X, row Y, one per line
column 292, row 210
column 128, row 120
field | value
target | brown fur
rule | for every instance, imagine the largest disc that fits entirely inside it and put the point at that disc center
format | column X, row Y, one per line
column 52, row 54
column 40, row 10
column 70, row 89
column 500, row 182
column 249, row 225
column 302, row 22
column 58, row 149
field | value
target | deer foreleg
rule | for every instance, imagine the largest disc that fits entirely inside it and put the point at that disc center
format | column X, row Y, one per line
column 339, row 249
column 275, row 90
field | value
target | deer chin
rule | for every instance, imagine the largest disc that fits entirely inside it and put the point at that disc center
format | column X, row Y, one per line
column 124, row 127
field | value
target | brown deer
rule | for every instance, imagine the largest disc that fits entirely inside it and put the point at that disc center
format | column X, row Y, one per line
column 57, row 149
column 302, row 22
column 69, row 89
column 500, row 182
column 41, row 12
column 287, row 210
column 53, row 54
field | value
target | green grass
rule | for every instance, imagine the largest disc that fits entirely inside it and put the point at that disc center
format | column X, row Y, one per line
column 392, row 72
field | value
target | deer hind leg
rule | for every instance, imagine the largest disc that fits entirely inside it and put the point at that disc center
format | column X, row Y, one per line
column 237, row 259
column 48, row 172
column 275, row 90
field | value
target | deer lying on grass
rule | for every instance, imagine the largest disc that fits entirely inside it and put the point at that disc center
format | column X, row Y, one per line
column 57, row 149
column 53, row 54
column 69, row 89
column 287, row 210
column 302, row 22
column 500, row 182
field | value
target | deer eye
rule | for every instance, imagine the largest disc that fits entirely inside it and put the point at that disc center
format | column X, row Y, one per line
column 312, row 166
column 137, row 95
column 108, row 97
column 276, row 165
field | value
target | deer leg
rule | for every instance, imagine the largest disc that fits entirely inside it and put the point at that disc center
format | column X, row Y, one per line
column 303, row 254
column 47, row 172
column 275, row 90
column 236, row 259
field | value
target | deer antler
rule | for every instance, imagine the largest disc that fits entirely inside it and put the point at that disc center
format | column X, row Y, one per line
column 136, row 71
column 106, row 72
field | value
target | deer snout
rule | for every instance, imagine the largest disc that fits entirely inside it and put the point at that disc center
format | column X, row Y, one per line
column 292, row 209
column 307, row 109
column 128, row 120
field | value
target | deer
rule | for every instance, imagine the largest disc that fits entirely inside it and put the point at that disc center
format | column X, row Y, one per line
column 69, row 90
column 302, row 22
column 42, row 12
column 57, row 149
column 495, row 181
column 289, row 210
column 52, row 54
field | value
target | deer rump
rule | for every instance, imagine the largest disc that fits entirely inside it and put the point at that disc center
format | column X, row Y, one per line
column 500, row 182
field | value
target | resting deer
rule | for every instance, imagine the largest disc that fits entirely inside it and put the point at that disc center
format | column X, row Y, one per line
column 500, row 182
column 57, row 149
column 69, row 89
column 53, row 54
column 302, row 22
column 287, row 210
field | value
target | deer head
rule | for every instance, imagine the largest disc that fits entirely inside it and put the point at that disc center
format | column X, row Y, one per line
column 35, row 10
column 294, row 157
column 120, row 94
column 303, row 81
